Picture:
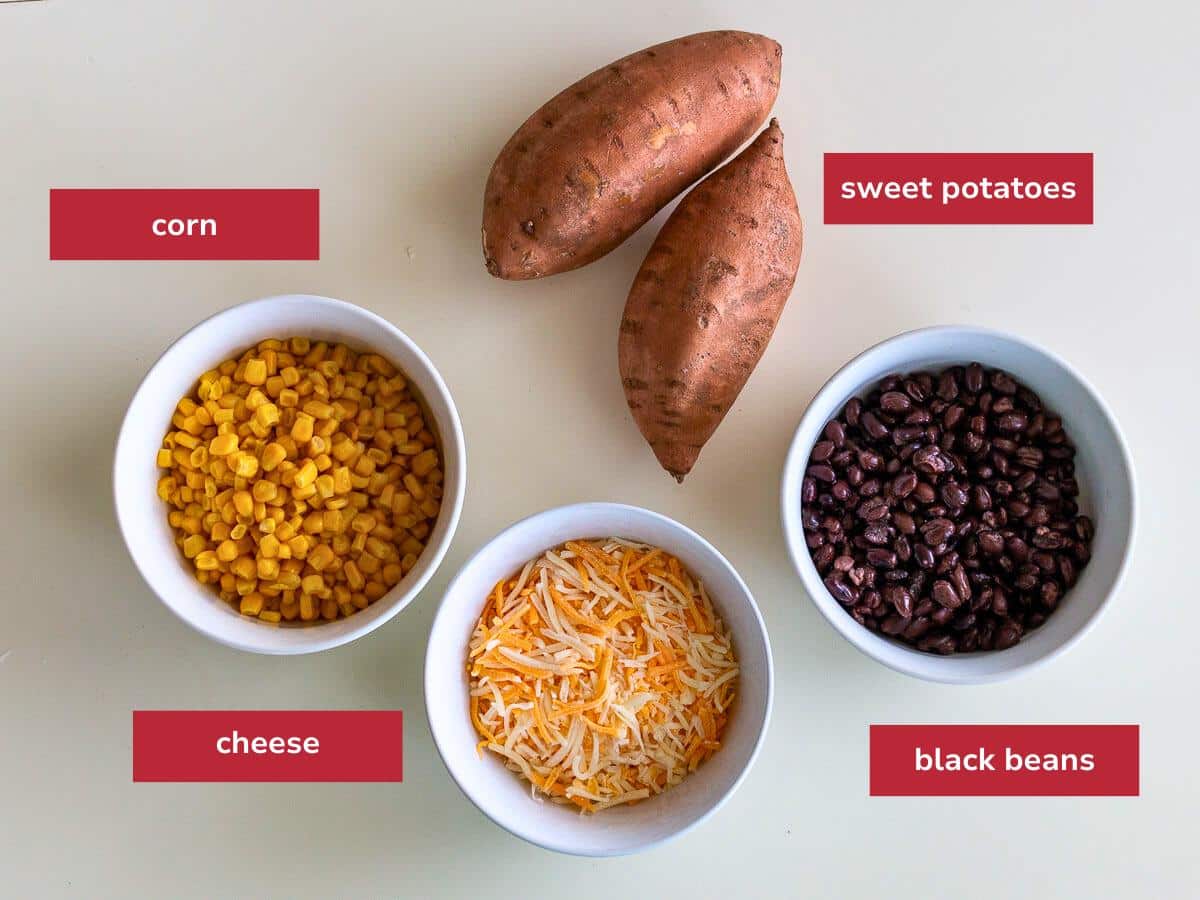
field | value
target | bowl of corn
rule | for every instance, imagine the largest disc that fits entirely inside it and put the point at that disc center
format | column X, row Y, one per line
column 289, row 474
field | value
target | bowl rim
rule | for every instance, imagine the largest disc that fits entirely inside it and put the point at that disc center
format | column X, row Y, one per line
column 455, row 444
column 914, row 663
column 579, row 510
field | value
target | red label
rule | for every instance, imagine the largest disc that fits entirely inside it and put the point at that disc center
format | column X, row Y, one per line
column 1004, row 760
column 958, row 189
column 280, row 745
column 184, row 224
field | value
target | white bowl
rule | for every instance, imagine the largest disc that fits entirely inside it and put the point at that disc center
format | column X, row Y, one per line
column 142, row 516
column 1103, row 467
column 502, row 795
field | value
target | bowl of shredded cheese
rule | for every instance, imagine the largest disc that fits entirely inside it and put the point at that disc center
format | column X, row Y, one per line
column 598, row 679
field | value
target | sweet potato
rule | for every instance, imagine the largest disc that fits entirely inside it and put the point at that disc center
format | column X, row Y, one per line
column 597, row 161
column 707, row 299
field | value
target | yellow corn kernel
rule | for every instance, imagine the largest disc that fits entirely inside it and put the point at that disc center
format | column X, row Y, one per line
column 163, row 459
column 313, row 522
column 193, row 545
column 166, row 487
column 288, row 581
column 269, row 615
column 410, row 448
column 329, row 609
column 243, row 502
column 354, row 576
column 255, row 399
column 313, row 584
column 267, row 415
column 299, row 546
column 266, row 568
column 374, row 590
column 308, row 608
column 392, row 573
column 430, row 507
column 245, row 465
column 424, row 463
column 325, row 486
column 223, row 444
column 306, row 475
column 302, row 428
column 408, row 561
column 320, row 557
column 268, row 546
column 244, row 567
column 263, row 491
column 255, row 372
column 401, row 503
column 380, row 549
column 251, row 604
column 318, row 409
column 363, row 523
column 206, row 561
column 273, row 455
column 227, row 551
column 414, row 487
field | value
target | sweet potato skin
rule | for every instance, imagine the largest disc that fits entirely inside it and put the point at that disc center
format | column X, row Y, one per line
column 707, row 299
column 597, row 161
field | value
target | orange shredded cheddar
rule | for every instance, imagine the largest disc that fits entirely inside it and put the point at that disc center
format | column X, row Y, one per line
column 601, row 673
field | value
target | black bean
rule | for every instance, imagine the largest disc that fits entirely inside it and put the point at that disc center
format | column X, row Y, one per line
column 931, row 461
column 1003, row 383
column 823, row 557
column 1012, row 422
column 924, row 556
column 869, row 460
column 904, row 484
column 822, row 473
column 937, row 531
column 877, row 534
column 841, row 591
column 895, row 402
column 900, row 599
column 808, row 490
column 974, row 378
column 821, row 451
column 938, row 642
column 873, row 510
column 835, row 432
column 881, row 558
column 942, row 615
column 943, row 593
column 873, row 427
column 953, row 495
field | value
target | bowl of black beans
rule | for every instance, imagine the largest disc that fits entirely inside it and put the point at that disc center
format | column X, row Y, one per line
column 959, row 504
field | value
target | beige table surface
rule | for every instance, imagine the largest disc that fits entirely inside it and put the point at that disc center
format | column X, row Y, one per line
column 395, row 111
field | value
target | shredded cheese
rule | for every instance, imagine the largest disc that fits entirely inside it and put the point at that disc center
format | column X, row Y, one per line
column 601, row 673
